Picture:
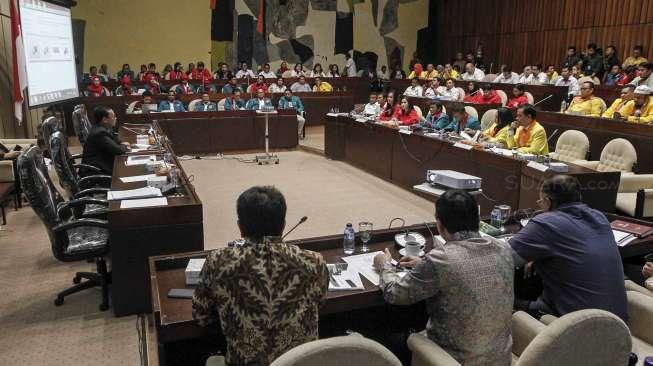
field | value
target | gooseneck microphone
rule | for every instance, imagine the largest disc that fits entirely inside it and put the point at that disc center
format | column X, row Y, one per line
column 301, row 221
column 549, row 97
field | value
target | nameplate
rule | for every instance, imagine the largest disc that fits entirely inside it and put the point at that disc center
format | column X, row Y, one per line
column 463, row 146
column 538, row 166
column 405, row 132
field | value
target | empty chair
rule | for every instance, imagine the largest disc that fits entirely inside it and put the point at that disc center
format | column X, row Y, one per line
column 583, row 338
column 640, row 322
column 488, row 78
column 632, row 286
column 635, row 195
column 461, row 94
column 618, row 155
column 191, row 105
column 418, row 110
column 471, row 111
column 503, row 96
column 488, row 118
column 572, row 145
column 81, row 123
column 221, row 104
column 49, row 126
column 71, row 239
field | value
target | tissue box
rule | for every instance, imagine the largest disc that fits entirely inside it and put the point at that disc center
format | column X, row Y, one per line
column 193, row 270
column 157, row 181
column 559, row 167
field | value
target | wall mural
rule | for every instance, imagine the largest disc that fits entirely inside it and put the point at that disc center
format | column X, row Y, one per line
column 380, row 32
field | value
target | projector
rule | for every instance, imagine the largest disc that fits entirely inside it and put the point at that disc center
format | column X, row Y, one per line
column 453, row 179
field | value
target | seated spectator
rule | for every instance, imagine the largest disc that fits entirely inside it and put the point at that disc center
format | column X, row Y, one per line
column 416, row 73
column 297, row 71
column 125, row 71
column 406, row 115
column 266, row 73
column 631, row 74
column 586, row 104
column 473, row 73
column 141, row 74
column 152, row 85
column 594, row 62
column 643, row 108
column 450, row 92
column 430, row 73
column 206, row 105
column 172, row 104
column 223, row 72
column 610, row 58
column 322, row 86
column 92, row 73
column 415, row 89
column 518, row 97
column 95, row 88
column 372, row 108
column 259, row 329
column 317, row 71
column 551, row 74
column 507, row 76
column 259, row 102
column 144, row 105
column 259, row 84
column 334, row 72
column 471, row 90
column 530, row 136
column 383, row 73
column 467, row 285
column 486, row 95
column 245, row 72
column 177, row 72
column 151, row 73
column 300, row 85
column 539, row 77
column 622, row 107
column 500, row 133
column 282, row 69
column 636, row 58
column 390, row 108
column 289, row 101
column 104, row 73
column 434, row 90
column 573, row 250
column 350, row 65
column 277, row 87
column 644, row 77
column 167, row 69
column 235, row 102
column 615, row 75
column 461, row 121
column 527, row 76
column 435, row 118
column 201, row 74
column 185, row 87
column 191, row 67
column 206, row 88
column 449, row 72
column 126, row 87
column 566, row 79
column 231, row 86
column 571, row 58
column 576, row 71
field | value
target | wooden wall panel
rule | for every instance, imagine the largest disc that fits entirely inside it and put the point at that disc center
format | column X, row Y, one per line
column 519, row 32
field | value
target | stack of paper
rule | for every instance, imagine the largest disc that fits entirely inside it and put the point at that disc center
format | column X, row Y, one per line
column 623, row 238
column 144, row 202
column 347, row 280
column 139, row 159
column 137, row 178
column 364, row 264
column 144, row 192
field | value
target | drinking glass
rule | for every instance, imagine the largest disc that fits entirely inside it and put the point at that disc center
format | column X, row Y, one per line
column 505, row 215
column 365, row 230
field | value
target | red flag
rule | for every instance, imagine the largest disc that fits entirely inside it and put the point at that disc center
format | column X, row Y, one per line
column 19, row 76
column 212, row 4
column 261, row 16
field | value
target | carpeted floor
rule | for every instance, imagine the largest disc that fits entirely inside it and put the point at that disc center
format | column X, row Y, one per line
column 35, row 332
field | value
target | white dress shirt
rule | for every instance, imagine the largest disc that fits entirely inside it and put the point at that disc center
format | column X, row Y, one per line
column 572, row 83
column 414, row 91
column 513, row 79
column 478, row 75
column 295, row 74
column 314, row 74
column 351, row 67
column 542, row 78
column 430, row 93
column 274, row 88
column 450, row 94
column 268, row 75
column 372, row 109
column 244, row 74
column 523, row 79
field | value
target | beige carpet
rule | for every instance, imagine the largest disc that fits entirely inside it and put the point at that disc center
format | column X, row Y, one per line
column 314, row 139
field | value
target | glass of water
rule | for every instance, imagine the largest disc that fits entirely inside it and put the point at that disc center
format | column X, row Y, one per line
column 505, row 215
column 365, row 230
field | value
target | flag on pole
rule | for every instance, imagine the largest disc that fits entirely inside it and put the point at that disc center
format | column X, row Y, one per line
column 19, row 75
column 260, row 21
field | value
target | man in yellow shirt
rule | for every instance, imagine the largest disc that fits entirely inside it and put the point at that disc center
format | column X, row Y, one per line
column 643, row 108
column 530, row 136
column 636, row 58
column 586, row 104
column 322, row 86
column 430, row 74
column 622, row 107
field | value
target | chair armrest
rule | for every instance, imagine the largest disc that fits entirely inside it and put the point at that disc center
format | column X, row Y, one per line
column 554, row 155
column 76, row 156
column 101, row 180
column 428, row 353
column 587, row 164
column 631, row 183
column 89, row 192
column 548, row 319
column 632, row 286
column 7, row 171
column 640, row 316
column 524, row 329
column 80, row 222
column 80, row 202
column 89, row 167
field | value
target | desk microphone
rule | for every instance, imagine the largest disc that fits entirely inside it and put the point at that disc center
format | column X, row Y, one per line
column 474, row 92
column 301, row 221
column 130, row 130
column 549, row 97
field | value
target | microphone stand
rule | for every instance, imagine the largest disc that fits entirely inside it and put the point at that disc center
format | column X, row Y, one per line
column 301, row 221
column 549, row 97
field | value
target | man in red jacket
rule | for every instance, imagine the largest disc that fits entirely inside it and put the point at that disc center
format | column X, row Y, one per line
column 487, row 95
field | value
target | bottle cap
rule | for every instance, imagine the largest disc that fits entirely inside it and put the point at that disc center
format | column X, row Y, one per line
column 349, row 224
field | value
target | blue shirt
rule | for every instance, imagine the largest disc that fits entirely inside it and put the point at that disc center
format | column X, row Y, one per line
column 434, row 122
column 577, row 257
column 472, row 123
column 232, row 104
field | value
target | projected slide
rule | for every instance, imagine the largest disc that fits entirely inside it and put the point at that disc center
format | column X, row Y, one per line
column 49, row 53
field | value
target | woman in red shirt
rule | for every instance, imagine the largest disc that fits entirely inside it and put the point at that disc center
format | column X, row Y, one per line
column 519, row 98
column 200, row 73
column 487, row 95
column 406, row 114
column 259, row 84
column 390, row 108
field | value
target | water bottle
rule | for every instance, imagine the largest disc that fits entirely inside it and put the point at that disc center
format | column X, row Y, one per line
column 648, row 361
column 563, row 106
column 495, row 218
column 637, row 114
column 349, row 241
column 173, row 177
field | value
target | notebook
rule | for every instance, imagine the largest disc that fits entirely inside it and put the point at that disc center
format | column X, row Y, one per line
column 630, row 227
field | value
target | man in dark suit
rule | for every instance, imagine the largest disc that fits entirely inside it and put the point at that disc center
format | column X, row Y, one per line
column 102, row 143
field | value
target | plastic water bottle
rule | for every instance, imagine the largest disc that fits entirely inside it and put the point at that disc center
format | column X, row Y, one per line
column 349, row 241
column 563, row 106
column 495, row 218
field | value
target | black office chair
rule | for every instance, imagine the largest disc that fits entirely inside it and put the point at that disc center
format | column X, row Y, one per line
column 81, row 123
column 71, row 238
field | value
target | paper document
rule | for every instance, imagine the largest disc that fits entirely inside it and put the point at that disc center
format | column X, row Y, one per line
column 139, row 159
column 137, row 178
column 623, row 238
column 147, row 202
column 364, row 264
column 347, row 280
column 144, row 192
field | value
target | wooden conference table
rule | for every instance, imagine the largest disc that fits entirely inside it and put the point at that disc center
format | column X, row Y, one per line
column 404, row 159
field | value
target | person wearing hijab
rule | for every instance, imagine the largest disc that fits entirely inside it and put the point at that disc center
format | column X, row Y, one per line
column 95, row 88
column 125, row 85
column 417, row 72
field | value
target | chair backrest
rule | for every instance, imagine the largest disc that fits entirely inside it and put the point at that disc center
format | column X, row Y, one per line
column 530, row 98
column 346, row 350
column 63, row 162
column 131, row 106
column 572, row 145
column 106, row 91
column 471, row 111
column 488, row 78
column 617, row 155
column 250, row 88
column 191, row 105
column 489, row 117
column 49, row 126
column 503, row 96
column 81, row 123
column 173, row 88
column 585, row 337
column 221, row 104
column 286, row 74
column 585, row 79
column 418, row 110
column 461, row 94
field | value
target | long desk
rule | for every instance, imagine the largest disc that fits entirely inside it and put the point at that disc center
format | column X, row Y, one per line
column 600, row 131
column 138, row 233
column 404, row 159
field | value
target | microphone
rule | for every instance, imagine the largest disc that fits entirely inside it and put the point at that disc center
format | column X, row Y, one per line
column 301, row 221
column 549, row 97
column 553, row 134
column 475, row 92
